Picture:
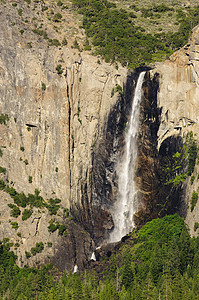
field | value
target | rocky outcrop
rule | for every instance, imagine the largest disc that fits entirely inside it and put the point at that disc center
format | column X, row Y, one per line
column 169, row 116
column 58, row 101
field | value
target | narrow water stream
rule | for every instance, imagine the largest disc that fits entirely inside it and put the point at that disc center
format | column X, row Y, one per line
column 126, row 204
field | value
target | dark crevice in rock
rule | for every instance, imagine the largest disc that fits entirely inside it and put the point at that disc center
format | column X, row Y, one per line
column 69, row 132
column 37, row 224
column 31, row 125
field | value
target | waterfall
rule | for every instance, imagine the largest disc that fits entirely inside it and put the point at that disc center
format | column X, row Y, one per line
column 126, row 204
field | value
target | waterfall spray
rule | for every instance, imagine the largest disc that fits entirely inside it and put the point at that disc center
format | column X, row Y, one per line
column 126, row 204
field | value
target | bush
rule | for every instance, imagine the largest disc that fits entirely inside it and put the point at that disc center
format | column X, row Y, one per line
column 41, row 33
column 192, row 179
column 59, row 70
column 57, row 17
column 15, row 211
column 1, row 153
column 59, row 3
column 2, row 170
column 2, row 185
column 61, row 228
column 26, row 162
column 4, row 119
column 43, row 86
column 196, row 226
column 20, row 11
column 15, row 225
column 119, row 88
column 30, row 179
column 64, row 42
column 28, row 255
column 37, row 249
column 22, row 148
column 26, row 214
column 194, row 200
column 54, row 42
column 53, row 207
column 52, row 227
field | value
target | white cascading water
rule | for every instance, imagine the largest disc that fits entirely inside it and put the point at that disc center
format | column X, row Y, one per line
column 126, row 204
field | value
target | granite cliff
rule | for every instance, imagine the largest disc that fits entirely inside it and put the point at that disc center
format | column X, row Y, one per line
column 63, row 119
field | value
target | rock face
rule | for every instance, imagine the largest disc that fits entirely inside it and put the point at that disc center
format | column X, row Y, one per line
column 63, row 119
column 169, row 116
column 58, row 101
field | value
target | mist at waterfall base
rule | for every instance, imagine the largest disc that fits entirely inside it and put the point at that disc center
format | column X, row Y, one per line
column 126, row 204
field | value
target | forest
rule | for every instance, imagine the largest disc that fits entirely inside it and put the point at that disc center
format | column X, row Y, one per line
column 159, row 261
column 116, row 38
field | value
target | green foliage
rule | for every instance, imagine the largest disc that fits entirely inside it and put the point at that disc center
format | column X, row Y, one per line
column 57, row 17
column 15, row 225
column 54, row 42
column 14, row 4
column 30, row 179
column 49, row 244
column 196, row 226
column 61, row 229
column 4, row 119
column 34, row 200
column 1, row 153
column 2, row 170
column 194, row 199
column 26, row 162
column 26, row 214
column 15, row 211
column 2, row 185
column 112, row 92
column 41, row 32
column 115, row 36
column 192, row 179
column 161, row 229
column 52, row 206
column 54, row 226
column 59, row 70
column 37, row 249
column 119, row 88
column 28, row 255
column 43, row 86
column 20, row 11
column 64, row 42
column 44, row 8
column 56, row 169
column 22, row 148
column 59, row 3
column 161, row 263
column 173, row 167
column 76, row 45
